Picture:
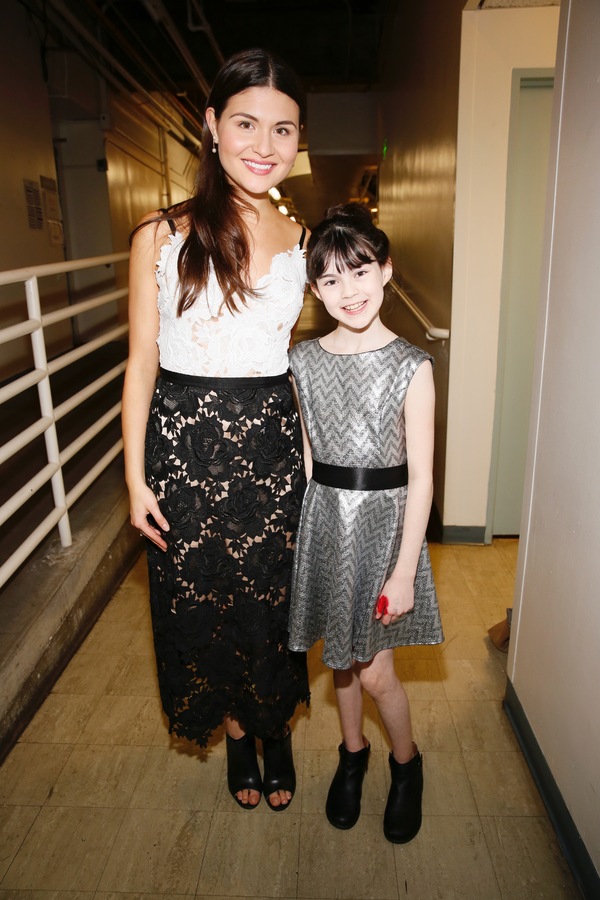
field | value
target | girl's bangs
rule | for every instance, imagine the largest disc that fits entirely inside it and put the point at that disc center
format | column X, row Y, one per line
column 342, row 251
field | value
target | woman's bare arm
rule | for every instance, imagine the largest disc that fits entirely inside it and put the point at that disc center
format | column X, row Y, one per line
column 140, row 376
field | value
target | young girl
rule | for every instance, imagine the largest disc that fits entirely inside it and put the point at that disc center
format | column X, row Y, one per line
column 362, row 577
column 213, row 448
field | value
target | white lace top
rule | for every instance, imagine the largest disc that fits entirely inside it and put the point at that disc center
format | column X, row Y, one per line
column 208, row 339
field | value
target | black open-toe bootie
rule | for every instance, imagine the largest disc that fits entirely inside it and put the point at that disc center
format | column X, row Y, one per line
column 343, row 800
column 280, row 774
column 242, row 768
column 402, row 817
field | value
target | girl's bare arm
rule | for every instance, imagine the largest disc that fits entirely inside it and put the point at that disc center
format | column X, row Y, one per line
column 419, row 408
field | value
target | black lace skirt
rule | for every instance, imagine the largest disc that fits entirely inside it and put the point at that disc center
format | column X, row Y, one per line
column 223, row 456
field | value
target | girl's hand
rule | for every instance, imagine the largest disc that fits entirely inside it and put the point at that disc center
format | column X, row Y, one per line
column 400, row 597
column 144, row 504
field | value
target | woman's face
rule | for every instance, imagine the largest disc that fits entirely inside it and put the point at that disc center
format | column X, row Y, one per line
column 257, row 138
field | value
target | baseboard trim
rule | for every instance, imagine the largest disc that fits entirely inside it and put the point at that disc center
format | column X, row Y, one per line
column 575, row 852
column 435, row 529
column 463, row 534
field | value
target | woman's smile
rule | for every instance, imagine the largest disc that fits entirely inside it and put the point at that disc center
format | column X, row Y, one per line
column 259, row 168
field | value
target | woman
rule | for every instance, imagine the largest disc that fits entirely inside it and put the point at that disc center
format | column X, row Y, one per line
column 214, row 470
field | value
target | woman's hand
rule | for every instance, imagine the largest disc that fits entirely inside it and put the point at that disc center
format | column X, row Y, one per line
column 144, row 504
column 400, row 596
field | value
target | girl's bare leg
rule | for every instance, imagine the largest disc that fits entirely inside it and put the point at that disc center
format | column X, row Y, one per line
column 344, row 797
column 402, row 817
column 379, row 679
column 348, row 691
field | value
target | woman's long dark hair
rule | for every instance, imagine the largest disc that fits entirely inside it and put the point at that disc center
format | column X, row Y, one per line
column 216, row 230
column 346, row 237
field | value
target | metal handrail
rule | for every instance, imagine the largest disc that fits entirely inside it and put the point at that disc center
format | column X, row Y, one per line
column 52, row 470
column 432, row 333
column 13, row 276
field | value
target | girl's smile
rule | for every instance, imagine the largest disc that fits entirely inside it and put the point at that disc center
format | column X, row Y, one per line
column 356, row 307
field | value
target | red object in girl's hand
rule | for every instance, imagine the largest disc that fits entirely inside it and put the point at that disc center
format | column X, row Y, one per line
column 382, row 605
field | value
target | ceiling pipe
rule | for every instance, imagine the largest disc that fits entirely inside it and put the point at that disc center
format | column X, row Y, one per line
column 156, row 9
column 198, row 8
column 80, row 29
column 155, row 113
column 133, row 54
column 346, row 4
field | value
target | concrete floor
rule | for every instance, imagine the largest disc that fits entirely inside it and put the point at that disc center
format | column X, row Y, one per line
column 99, row 802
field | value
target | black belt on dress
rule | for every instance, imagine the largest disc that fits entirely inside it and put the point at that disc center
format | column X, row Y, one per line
column 209, row 381
column 356, row 478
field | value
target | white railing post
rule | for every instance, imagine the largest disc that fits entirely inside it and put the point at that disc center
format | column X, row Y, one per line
column 35, row 326
column 40, row 361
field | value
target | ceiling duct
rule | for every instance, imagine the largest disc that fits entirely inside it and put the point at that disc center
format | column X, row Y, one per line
column 158, row 12
column 196, row 6
column 116, row 74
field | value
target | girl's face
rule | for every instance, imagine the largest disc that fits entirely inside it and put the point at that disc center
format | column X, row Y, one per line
column 353, row 296
column 257, row 138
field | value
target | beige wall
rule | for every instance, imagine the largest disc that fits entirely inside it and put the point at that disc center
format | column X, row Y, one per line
column 147, row 168
column 416, row 192
column 554, row 660
column 26, row 140
column 27, row 153
column 494, row 42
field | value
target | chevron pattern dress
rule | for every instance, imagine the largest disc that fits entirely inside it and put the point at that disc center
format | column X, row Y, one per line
column 348, row 540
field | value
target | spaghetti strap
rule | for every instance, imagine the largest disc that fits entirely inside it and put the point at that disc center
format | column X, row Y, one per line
column 172, row 223
column 302, row 236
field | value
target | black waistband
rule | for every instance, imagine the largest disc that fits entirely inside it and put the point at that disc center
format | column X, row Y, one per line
column 209, row 381
column 354, row 478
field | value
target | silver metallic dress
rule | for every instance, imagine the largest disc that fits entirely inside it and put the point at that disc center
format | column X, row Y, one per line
column 348, row 540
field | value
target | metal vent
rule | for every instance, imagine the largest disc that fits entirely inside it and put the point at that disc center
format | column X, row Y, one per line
column 33, row 198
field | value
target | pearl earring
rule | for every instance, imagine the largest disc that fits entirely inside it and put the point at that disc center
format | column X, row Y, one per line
column 214, row 147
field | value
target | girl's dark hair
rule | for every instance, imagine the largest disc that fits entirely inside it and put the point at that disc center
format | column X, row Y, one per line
column 348, row 238
column 216, row 229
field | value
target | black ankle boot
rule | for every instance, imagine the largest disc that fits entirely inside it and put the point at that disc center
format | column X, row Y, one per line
column 402, row 817
column 343, row 800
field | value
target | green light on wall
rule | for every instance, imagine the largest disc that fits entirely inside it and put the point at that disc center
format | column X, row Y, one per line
column 384, row 149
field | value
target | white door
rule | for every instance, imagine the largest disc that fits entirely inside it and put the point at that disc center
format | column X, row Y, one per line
column 525, row 208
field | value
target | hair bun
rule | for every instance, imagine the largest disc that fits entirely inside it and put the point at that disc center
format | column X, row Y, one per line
column 352, row 212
